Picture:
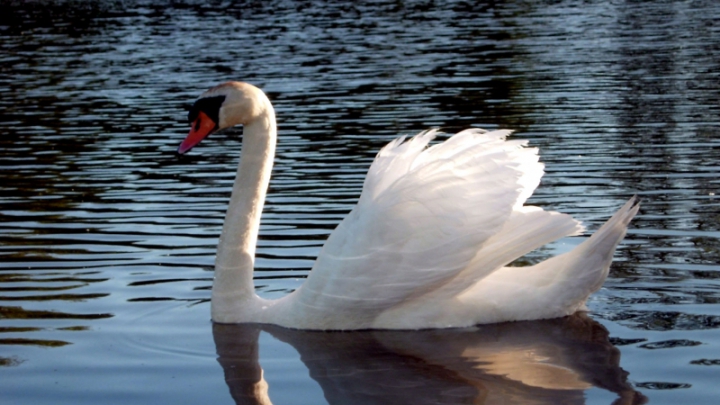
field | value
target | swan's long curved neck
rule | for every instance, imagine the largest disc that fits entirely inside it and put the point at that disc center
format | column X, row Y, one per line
column 233, row 292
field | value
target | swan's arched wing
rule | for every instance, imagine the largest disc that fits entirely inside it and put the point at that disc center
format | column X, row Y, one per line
column 422, row 216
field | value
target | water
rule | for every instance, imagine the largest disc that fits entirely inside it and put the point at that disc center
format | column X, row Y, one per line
column 107, row 237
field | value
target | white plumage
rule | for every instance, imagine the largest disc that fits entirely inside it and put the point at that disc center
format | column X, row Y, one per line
column 426, row 245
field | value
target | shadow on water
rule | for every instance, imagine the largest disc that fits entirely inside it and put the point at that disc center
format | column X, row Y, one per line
column 542, row 362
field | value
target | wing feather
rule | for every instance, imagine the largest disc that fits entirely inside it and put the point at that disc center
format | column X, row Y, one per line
column 423, row 215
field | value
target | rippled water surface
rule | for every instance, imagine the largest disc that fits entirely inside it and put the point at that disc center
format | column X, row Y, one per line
column 107, row 237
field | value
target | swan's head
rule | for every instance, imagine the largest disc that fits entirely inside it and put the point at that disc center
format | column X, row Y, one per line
column 224, row 106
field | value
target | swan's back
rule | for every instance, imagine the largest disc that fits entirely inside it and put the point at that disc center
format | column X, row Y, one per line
column 431, row 224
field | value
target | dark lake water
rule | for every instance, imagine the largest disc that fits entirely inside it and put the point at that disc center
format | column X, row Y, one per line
column 107, row 238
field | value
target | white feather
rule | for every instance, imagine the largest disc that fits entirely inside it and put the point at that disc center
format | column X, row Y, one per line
column 431, row 225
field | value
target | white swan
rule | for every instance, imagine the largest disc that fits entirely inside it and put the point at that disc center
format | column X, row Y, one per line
column 426, row 244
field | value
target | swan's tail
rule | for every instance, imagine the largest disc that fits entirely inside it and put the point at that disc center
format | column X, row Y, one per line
column 598, row 250
column 558, row 286
column 583, row 270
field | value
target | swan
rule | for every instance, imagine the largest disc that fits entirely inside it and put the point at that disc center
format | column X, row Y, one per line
column 426, row 246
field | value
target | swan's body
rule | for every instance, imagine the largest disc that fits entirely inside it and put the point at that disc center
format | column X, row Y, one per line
column 426, row 245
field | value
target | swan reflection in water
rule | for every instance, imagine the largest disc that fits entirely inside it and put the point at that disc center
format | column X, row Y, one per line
column 539, row 362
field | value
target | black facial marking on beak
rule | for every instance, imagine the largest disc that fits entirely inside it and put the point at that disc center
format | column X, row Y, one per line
column 208, row 105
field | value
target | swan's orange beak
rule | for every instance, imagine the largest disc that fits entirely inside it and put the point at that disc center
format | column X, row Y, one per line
column 201, row 127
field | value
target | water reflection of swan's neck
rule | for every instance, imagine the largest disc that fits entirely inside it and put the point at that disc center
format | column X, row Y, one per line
column 237, row 347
